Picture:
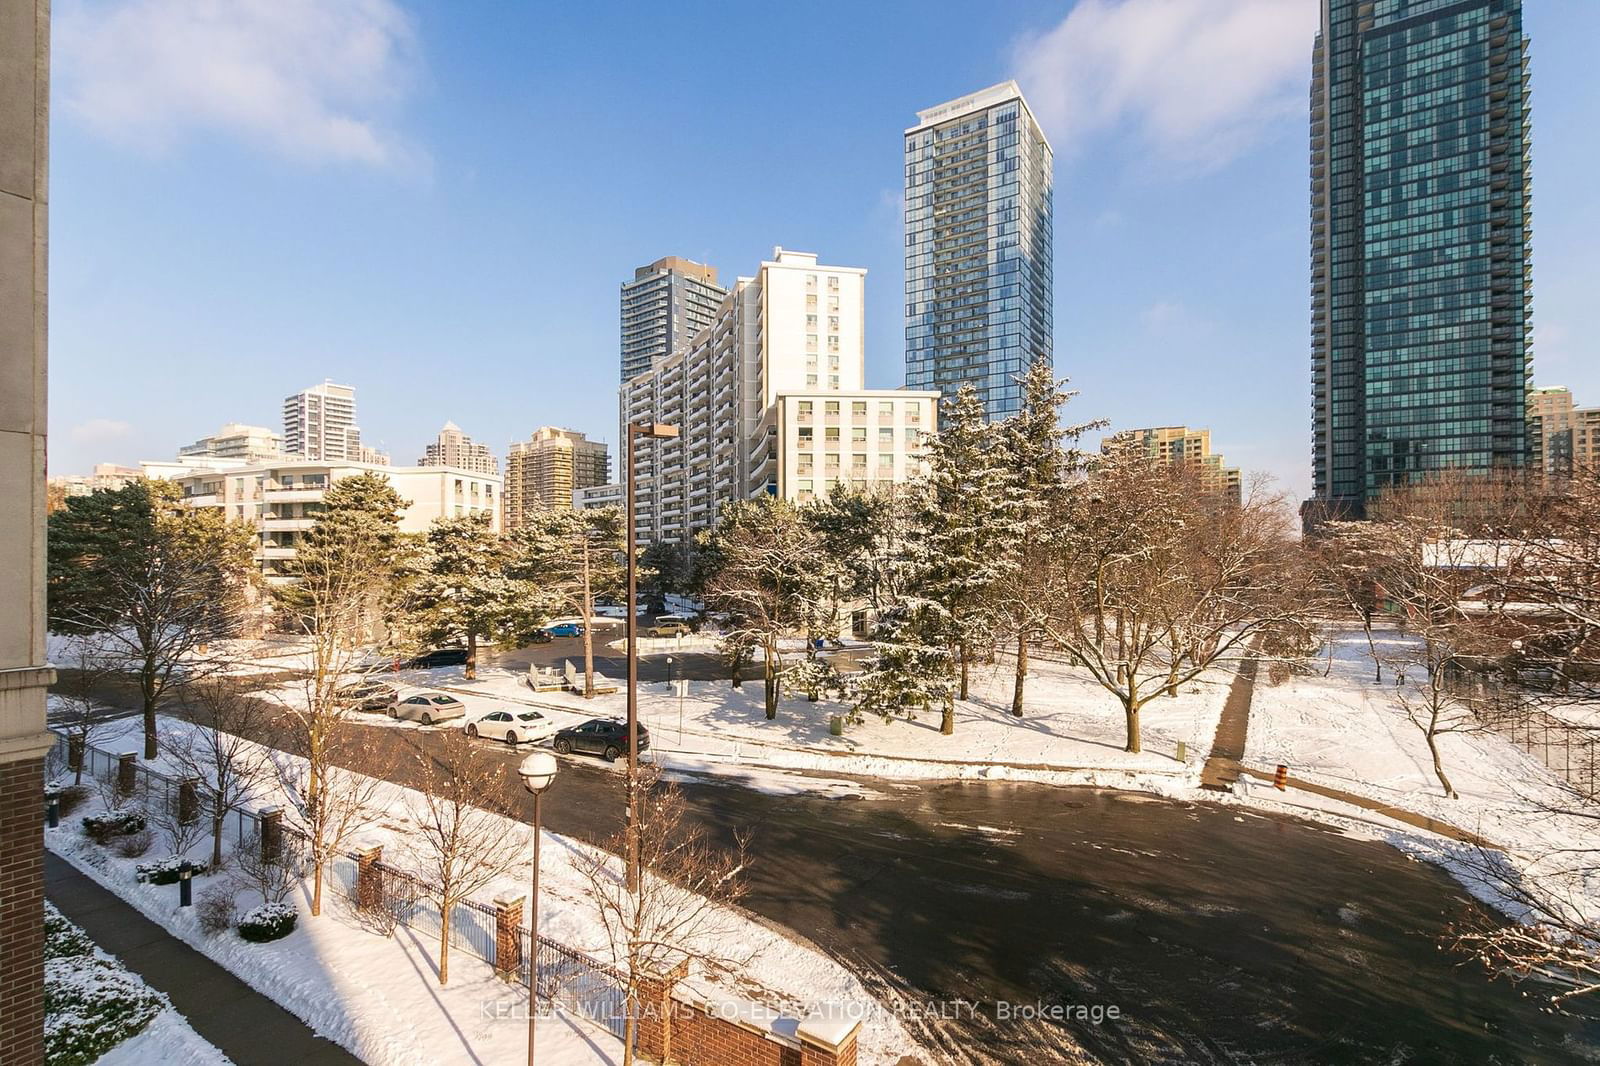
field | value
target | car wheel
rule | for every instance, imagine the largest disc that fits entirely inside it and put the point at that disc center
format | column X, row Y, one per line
column 427, row 719
column 511, row 737
column 612, row 751
column 472, row 730
column 563, row 746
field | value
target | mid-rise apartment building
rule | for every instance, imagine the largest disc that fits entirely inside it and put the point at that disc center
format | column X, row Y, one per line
column 320, row 423
column 454, row 448
column 283, row 498
column 1420, row 244
column 253, row 444
column 1182, row 447
column 791, row 336
column 593, row 497
column 1562, row 436
column 979, row 266
column 663, row 307
column 547, row 469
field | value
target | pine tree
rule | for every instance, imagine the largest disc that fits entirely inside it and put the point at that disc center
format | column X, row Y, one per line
column 575, row 557
column 461, row 590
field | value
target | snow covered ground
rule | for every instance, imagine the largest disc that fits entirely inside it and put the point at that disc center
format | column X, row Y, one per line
column 167, row 1040
column 1349, row 732
column 379, row 996
column 1071, row 734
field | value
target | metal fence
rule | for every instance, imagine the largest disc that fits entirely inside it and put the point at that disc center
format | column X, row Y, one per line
column 568, row 978
column 1568, row 750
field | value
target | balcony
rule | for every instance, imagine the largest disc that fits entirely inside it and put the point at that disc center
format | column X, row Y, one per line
column 295, row 494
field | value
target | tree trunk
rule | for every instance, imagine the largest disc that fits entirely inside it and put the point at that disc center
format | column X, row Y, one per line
column 1433, row 749
column 444, row 945
column 770, row 676
column 1022, row 673
column 217, row 818
column 588, row 636
column 947, row 720
column 1372, row 648
column 965, row 655
column 735, row 666
column 316, row 888
column 1130, row 710
column 472, row 654
column 629, row 1027
column 147, row 689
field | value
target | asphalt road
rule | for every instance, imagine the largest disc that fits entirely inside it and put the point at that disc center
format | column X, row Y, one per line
column 1219, row 935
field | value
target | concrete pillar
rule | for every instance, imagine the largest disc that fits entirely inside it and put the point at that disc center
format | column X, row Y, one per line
column 271, row 833
column 508, row 935
column 127, row 770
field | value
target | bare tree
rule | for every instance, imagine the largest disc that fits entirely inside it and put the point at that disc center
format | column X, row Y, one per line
column 273, row 874
column 1345, row 557
column 459, row 846
column 226, row 722
column 679, row 915
column 343, row 804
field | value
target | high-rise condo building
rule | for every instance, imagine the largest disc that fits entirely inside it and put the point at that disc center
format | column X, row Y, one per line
column 320, row 423
column 1188, row 449
column 769, row 399
column 549, row 467
column 978, row 247
column 454, row 448
column 235, row 441
column 1419, row 243
column 663, row 307
column 1562, row 436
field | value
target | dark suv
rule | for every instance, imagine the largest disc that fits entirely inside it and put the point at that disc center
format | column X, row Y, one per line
column 438, row 657
column 605, row 737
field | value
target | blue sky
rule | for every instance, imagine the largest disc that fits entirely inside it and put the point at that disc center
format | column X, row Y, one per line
column 436, row 202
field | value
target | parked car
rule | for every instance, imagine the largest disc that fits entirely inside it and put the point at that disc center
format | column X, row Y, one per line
column 437, row 657
column 605, row 737
column 669, row 626
column 541, row 636
column 368, row 696
column 429, row 707
column 565, row 629
column 515, row 727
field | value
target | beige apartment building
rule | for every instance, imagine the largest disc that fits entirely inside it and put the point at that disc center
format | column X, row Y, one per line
column 454, row 448
column 791, row 336
column 1562, row 436
column 1185, row 447
column 252, row 444
column 283, row 499
column 547, row 469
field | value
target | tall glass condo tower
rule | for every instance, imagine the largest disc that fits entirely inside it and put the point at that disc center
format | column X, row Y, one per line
column 1419, row 243
column 978, row 258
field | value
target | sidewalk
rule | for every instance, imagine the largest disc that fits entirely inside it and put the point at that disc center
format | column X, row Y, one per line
column 1399, row 814
column 244, row 1025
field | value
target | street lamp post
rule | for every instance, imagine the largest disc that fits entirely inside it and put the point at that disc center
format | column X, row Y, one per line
column 636, row 431
column 537, row 772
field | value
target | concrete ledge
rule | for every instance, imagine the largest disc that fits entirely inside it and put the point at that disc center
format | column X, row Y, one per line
column 27, row 677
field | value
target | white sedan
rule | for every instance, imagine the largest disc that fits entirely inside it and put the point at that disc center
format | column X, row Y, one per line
column 429, row 707
column 516, row 727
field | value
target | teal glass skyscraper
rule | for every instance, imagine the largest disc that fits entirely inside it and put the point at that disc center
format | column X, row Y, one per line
column 978, row 246
column 1419, row 243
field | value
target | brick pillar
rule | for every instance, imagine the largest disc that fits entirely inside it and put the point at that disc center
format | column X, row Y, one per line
column 369, row 878
column 828, row 1041
column 654, row 1040
column 508, row 935
column 127, row 767
column 189, row 800
column 21, row 913
column 271, row 833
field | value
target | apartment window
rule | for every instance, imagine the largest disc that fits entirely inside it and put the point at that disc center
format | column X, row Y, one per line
column 859, row 484
column 885, row 463
column 885, row 408
column 831, row 435
column 833, row 381
column 811, row 342
column 833, row 362
column 811, row 302
column 858, row 463
column 833, row 344
column 804, row 409
column 811, row 381
column 858, row 410
column 831, row 461
column 833, row 303
column 833, row 323
column 811, row 283
column 886, row 437
column 831, row 408
column 833, row 283
column 811, row 322
column 804, row 436
column 859, row 434
column 912, row 436
column 913, row 415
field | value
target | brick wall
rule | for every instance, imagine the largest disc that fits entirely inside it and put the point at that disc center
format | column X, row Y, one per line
column 22, row 912
column 692, row 1036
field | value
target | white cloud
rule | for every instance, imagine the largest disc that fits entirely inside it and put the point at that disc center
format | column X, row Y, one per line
column 1198, row 80
column 99, row 431
column 314, row 80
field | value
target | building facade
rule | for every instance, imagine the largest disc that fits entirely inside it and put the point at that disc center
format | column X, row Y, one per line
column 1180, row 446
column 979, row 270
column 858, row 439
column 282, row 499
column 252, row 444
column 320, row 423
column 549, row 468
column 789, row 339
column 454, row 448
column 1419, row 243
column 593, row 497
column 663, row 307
column 1563, row 437
column 24, row 672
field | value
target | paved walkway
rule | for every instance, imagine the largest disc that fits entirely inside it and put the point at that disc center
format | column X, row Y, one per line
column 1421, row 821
column 1223, row 768
column 243, row 1024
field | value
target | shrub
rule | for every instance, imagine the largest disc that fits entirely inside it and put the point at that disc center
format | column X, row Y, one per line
column 166, row 871
column 134, row 844
column 91, row 1002
column 119, row 821
column 268, row 922
column 215, row 910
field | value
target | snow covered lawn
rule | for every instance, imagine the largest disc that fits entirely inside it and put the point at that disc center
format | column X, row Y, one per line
column 1351, row 733
column 379, row 996
column 97, row 1010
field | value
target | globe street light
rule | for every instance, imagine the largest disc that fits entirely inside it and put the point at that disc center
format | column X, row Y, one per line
column 636, row 431
column 537, row 771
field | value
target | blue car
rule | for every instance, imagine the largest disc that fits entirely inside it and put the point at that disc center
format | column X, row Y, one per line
column 565, row 629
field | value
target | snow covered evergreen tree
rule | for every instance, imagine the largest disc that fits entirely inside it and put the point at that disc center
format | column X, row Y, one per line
column 461, row 590
column 574, row 557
